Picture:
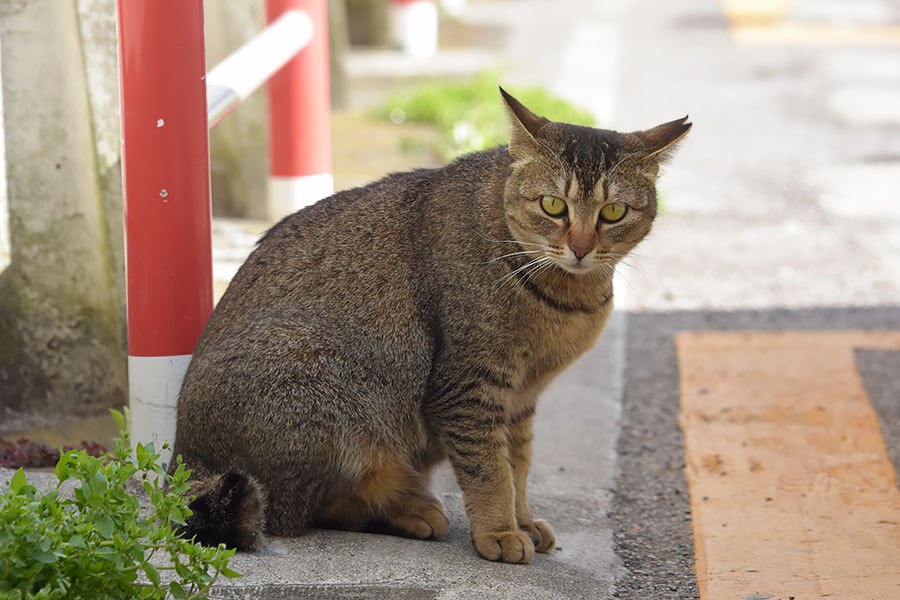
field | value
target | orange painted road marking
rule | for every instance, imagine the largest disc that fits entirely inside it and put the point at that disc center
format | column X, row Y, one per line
column 792, row 491
column 800, row 34
column 767, row 22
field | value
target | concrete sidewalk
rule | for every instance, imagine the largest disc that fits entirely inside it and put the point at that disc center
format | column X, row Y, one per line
column 570, row 487
column 571, row 484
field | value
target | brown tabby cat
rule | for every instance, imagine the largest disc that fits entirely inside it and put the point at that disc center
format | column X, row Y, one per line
column 387, row 327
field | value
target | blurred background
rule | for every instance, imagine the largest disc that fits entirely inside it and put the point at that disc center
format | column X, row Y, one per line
column 785, row 194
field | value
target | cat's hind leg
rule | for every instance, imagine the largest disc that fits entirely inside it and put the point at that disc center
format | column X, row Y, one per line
column 388, row 497
column 416, row 514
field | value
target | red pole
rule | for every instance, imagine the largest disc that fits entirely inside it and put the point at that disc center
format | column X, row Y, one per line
column 300, row 117
column 165, row 165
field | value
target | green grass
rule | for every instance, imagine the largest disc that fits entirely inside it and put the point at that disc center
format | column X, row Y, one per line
column 470, row 115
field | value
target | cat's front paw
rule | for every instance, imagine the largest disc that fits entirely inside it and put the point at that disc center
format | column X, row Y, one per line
column 541, row 534
column 505, row 546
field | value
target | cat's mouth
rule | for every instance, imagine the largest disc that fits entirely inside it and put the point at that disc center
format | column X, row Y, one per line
column 575, row 266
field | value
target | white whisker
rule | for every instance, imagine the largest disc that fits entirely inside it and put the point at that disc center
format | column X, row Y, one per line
column 538, row 270
column 522, row 268
column 513, row 254
column 556, row 156
column 624, row 279
column 626, row 157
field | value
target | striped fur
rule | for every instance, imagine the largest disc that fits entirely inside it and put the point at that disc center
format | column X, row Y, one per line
column 389, row 327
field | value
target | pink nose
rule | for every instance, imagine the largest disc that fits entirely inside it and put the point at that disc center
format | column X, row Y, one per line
column 580, row 251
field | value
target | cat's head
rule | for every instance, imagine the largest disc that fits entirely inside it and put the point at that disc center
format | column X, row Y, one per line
column 578, row 197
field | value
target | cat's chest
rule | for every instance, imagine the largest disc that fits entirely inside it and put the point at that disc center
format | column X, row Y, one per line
column 552, row 345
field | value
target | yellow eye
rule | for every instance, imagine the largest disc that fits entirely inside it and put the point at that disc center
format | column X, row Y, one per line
column 613, row 212
column 553, row 206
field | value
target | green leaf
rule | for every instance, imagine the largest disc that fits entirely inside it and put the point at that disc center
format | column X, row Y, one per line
column 152, row 573
column 98, row 483
column 104, row 526
column 176, row 515
column 176, row 590
column 76, row 541
column 141, row 454
column 180, row 488
column 137, row 552
column 17, row 482
column 119, row 419
column 41, row 556
column 229, row 573
column 62, row 468
column 183, row 571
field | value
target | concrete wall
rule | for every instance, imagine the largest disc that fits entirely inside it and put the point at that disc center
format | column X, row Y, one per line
column 61, row 343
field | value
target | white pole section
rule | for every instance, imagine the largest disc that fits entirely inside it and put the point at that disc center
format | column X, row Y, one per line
column 288, row 194
column 153, row 386
column 413, row 26
column 247, row 68
column 300, row 171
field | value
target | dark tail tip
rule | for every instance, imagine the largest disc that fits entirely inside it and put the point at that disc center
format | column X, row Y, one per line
column 229, row 509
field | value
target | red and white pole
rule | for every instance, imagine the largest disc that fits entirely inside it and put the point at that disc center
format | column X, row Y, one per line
column 300, row 171
column 165, row 167
column 413, row 26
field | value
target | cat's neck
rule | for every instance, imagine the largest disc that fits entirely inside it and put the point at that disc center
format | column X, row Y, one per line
column 588, row 293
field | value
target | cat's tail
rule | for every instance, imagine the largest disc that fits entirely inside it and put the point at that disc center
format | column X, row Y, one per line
column 228, row 508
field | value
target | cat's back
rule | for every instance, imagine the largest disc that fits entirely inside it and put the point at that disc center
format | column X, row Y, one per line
column 359, row 262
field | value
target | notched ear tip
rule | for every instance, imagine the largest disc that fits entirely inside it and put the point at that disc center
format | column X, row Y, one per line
column 681, row 125
column 658, row 141
column 519, row 113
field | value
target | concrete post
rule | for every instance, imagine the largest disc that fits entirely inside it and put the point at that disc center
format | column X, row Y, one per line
column 97, row 26
column 60, row 340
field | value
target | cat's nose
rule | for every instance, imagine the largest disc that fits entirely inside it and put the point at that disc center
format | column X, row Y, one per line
column 580, row 251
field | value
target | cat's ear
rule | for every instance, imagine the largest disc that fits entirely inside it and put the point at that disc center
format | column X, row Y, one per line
column 525, row 125
column 659, row 142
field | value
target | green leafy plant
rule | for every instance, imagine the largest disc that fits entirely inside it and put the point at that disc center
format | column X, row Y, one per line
column 469, row 115
column 100, row 544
